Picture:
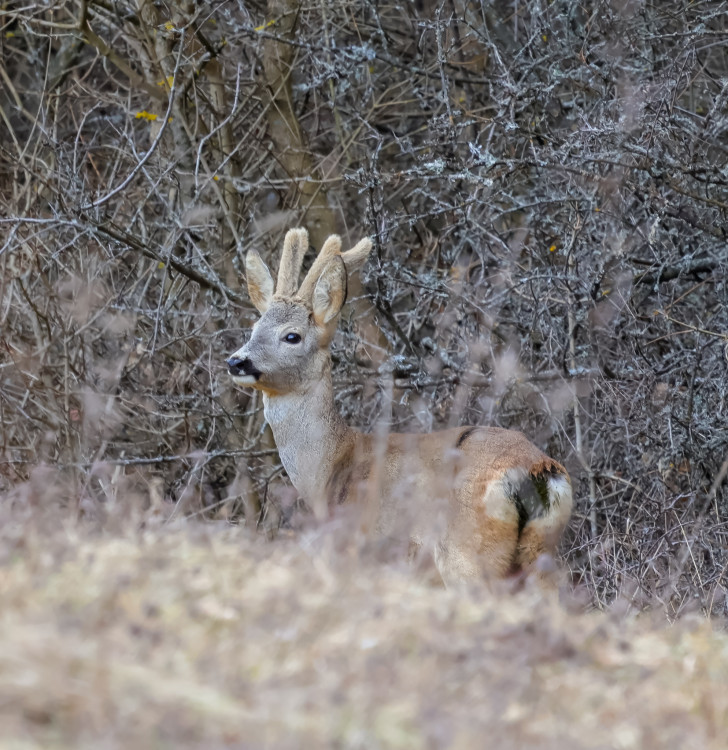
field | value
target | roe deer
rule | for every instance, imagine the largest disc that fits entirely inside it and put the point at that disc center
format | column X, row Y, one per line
column 505, row 502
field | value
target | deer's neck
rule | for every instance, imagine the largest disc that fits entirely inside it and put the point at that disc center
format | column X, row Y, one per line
column 311, row 437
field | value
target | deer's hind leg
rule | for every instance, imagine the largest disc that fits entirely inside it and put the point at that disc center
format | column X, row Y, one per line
column 482, row 537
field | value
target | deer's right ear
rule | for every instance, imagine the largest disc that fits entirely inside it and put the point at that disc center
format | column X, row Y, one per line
column 260, row 282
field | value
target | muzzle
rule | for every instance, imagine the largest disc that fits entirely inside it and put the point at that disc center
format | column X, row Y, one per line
column 239, row 367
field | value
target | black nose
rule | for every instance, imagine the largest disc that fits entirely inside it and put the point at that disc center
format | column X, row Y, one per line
column 242, row 367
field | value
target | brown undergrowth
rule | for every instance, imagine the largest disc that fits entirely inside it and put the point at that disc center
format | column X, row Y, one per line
column 187, row 634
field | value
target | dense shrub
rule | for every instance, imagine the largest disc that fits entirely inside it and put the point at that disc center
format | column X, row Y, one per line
column 546, row 183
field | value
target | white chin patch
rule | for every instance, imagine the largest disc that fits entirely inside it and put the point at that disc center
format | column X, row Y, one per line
column 243, row 380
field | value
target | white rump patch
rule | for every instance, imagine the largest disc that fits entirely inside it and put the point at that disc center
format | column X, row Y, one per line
column 498, row 498
column 559, row 490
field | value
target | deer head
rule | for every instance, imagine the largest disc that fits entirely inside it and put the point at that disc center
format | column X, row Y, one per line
column 289, row 345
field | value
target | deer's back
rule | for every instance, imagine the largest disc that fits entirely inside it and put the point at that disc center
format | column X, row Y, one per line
column 447, row 464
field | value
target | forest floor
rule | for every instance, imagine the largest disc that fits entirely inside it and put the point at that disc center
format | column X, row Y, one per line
column 202, row 635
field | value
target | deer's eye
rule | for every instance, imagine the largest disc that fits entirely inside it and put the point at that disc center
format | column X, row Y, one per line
column 292, row 338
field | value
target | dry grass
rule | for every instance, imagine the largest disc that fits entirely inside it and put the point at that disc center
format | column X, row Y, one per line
column 196, row 635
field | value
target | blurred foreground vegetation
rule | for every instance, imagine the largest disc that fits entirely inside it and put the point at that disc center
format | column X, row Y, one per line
column 198, row 635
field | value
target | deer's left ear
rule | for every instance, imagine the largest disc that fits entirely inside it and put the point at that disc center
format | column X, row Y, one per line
column 329, row 294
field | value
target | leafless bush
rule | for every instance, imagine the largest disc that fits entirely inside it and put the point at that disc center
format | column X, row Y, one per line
column 546, row 184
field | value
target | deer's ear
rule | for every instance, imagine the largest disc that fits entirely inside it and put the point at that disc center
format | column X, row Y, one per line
column 260, row 282
column 355, row 258
column 329, row 294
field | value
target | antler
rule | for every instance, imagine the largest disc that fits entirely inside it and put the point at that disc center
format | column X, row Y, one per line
column 294, row 248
